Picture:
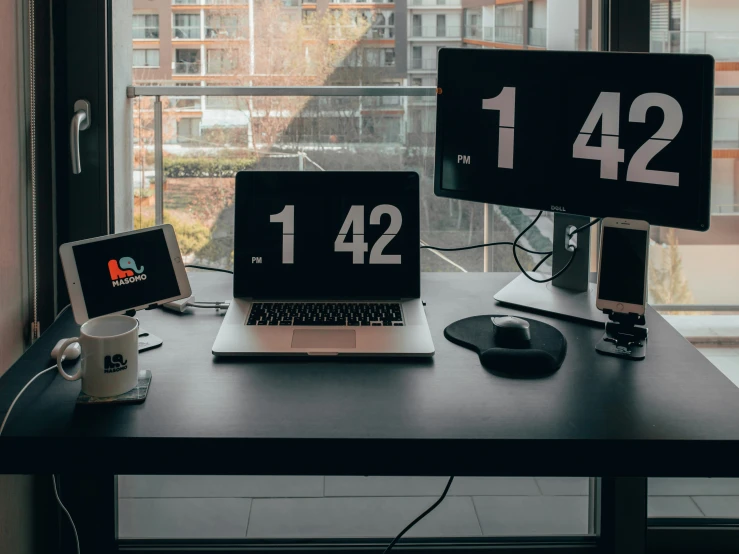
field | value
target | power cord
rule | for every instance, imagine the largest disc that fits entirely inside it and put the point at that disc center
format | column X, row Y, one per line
column 64, row 509
column 419, row 518
column 209, row 268
column 12, row 404
column 501, row 243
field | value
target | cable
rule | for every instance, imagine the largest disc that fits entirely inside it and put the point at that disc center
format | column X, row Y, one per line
column 208, row 268
column 211, row 305
column 544, row 259
column 501, row 243
column 579, row 229
column 61, row 505
column 5, row 419
column 520, row 267
column 423, row 515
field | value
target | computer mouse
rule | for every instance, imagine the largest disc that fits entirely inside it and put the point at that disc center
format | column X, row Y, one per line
column 511, row 331
column 72, row 352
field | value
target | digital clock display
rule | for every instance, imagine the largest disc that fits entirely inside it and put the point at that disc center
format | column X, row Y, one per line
column 598, row 134
column 327, row 235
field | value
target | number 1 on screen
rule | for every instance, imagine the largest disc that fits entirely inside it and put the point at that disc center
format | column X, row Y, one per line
column 505, row 103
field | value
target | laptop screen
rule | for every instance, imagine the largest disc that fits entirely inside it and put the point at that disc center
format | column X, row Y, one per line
column 326, row 235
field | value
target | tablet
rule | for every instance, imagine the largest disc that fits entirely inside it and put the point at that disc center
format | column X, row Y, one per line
column 126, row 271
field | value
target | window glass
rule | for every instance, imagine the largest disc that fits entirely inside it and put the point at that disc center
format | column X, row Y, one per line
column 146, row 58
column 145, row 26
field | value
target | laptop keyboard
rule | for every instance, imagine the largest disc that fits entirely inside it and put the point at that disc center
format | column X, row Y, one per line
column 350, row 314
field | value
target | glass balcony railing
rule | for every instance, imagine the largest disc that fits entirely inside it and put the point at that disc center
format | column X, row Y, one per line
column 226, row 32
column 434, row 3
column 725, row 133
column 419, row 63
column 473, row 31
column 537, row 37
column 436, row 32
column 186, row 68
column 145, row 32
column 723, row 46
column 508, row 34
column 189, row 32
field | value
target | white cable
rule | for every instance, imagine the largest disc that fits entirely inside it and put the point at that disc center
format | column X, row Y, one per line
column 2, row 426
column 59, row 501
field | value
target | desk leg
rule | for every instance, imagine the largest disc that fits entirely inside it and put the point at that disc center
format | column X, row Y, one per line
column 623, row 515
column 92, row 503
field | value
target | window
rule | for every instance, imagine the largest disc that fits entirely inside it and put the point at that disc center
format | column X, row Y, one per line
column 417, row 26
column 188, row 129
column 146, row 26
column 187, row 61
column 146, row 58
column 186, row 26
column 441, row 25
column 222, row 61
column 226, row 26
column 509, row 24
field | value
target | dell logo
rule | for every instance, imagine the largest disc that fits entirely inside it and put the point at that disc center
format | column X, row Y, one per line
column 558, row 209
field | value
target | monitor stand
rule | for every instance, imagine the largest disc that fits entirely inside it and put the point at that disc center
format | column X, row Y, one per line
column 570, row 295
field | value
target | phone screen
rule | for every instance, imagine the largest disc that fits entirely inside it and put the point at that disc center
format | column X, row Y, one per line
column 622, row 274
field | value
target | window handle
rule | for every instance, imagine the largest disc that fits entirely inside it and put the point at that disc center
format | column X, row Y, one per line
column 80, row 122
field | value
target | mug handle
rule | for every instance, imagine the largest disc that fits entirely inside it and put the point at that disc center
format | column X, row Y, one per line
column 60, row 359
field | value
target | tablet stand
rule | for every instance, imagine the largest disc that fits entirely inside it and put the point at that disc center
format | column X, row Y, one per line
column 147, row 341
column 625, row 337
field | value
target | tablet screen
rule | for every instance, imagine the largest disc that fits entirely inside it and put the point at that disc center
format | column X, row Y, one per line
column 125, row 272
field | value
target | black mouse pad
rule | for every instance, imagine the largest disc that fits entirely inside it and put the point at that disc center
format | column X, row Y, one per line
column 543, row 355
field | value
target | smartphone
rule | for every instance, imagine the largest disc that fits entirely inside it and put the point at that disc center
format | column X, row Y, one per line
column 622, row 266
column 126, row 271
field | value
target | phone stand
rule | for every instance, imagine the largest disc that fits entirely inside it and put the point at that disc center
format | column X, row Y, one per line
column 147, row 341
column 625, row 337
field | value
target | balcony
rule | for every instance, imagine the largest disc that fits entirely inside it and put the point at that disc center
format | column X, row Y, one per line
column 473, row 32
column 437, row 32
column 188, row 32
column 385, row 32
column 435, row 3
column 226, row 33
column 725, row 133
column 723, row 46
column 428, row 64
column 145, row 32
column 186, row 68
column 508, row 34
column 537, row 37
column 210, row 2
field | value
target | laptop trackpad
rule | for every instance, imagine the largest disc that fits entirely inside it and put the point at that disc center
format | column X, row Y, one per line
column 324, row 338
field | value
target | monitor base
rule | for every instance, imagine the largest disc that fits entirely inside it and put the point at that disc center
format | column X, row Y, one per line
column 549, row 299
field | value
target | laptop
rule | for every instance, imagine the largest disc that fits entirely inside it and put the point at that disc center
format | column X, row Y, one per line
column 326, row 264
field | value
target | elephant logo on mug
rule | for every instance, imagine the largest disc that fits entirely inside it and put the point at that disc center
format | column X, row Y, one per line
column 115, row 363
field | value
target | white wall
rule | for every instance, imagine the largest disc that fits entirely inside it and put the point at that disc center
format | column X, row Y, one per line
column 488, row 16
column 562, row 20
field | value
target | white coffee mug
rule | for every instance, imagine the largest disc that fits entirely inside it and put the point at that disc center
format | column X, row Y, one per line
column 109, row 364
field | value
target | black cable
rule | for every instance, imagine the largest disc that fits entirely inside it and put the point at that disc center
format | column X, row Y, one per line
column 419, row 518
column 502, row 243
column 576, row 231
column 544, row 259
column 520, row 267
column 208, row 268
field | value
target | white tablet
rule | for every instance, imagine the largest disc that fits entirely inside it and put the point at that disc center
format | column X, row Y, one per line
column 126, row 271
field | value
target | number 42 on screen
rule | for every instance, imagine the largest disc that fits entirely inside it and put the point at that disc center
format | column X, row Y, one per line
column 354, row 223
column 606, row 110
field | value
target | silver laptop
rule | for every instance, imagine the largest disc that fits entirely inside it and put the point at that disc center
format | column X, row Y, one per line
column 326, row 264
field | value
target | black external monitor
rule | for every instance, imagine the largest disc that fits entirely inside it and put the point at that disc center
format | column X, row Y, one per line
column 596, row 134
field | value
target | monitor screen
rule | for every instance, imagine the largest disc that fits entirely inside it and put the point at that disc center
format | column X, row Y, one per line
column 125, row 272
column 327, row 235
column 622, row 274
column 596, row 134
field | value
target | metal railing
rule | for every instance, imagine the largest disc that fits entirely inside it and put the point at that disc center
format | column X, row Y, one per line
column 537, row 37
column 157, row 92
column 721, row 45
column 437, row 32
column 508, row 34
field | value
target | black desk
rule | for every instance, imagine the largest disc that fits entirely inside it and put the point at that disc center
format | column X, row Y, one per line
column 673, row 414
